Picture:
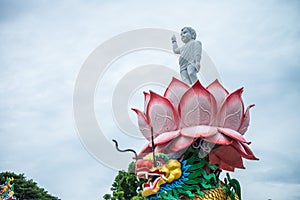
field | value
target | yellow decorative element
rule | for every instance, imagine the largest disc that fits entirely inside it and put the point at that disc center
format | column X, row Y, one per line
column 212, row 194
column 172, row 170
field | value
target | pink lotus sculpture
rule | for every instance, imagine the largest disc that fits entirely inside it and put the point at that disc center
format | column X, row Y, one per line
column 185, row 114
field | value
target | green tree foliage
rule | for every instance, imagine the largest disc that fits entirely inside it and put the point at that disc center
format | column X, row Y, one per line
column 26, row 189
column 126, row 186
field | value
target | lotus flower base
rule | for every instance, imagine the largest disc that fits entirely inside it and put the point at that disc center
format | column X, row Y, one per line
column 193, row 134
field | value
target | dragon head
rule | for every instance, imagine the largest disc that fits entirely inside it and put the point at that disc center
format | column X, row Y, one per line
column 157, row 172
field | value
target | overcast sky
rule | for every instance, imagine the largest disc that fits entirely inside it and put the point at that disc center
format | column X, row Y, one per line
column 254, row 44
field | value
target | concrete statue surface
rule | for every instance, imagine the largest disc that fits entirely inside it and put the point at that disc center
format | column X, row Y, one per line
column 190, row 54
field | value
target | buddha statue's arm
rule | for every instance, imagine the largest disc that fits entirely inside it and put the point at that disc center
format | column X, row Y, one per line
column 175, row 45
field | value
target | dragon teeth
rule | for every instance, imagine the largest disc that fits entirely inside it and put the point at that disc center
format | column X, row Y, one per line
column 165, row 178
column 146, row 174
column 142, row 173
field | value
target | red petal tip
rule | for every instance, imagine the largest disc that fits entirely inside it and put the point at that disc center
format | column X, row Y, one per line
column 135, row 110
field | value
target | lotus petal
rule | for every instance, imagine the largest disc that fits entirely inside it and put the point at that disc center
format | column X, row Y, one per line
column 218, row 138
column 233, row 134
column 175, row 91
column 180, row 143
column 244, row 150
column 245, row 121
column 226, row 157
column 251, row 155
column 218, row 91
column 201, row 131
column 146, row 100
column 162, row 148
column 144, row 126
column 161, row 114
column 197, row 107
column 165, row 137
column 232, row 111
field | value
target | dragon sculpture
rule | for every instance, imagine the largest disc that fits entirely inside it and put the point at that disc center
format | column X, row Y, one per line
column 193, row 132
column 7, row 189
